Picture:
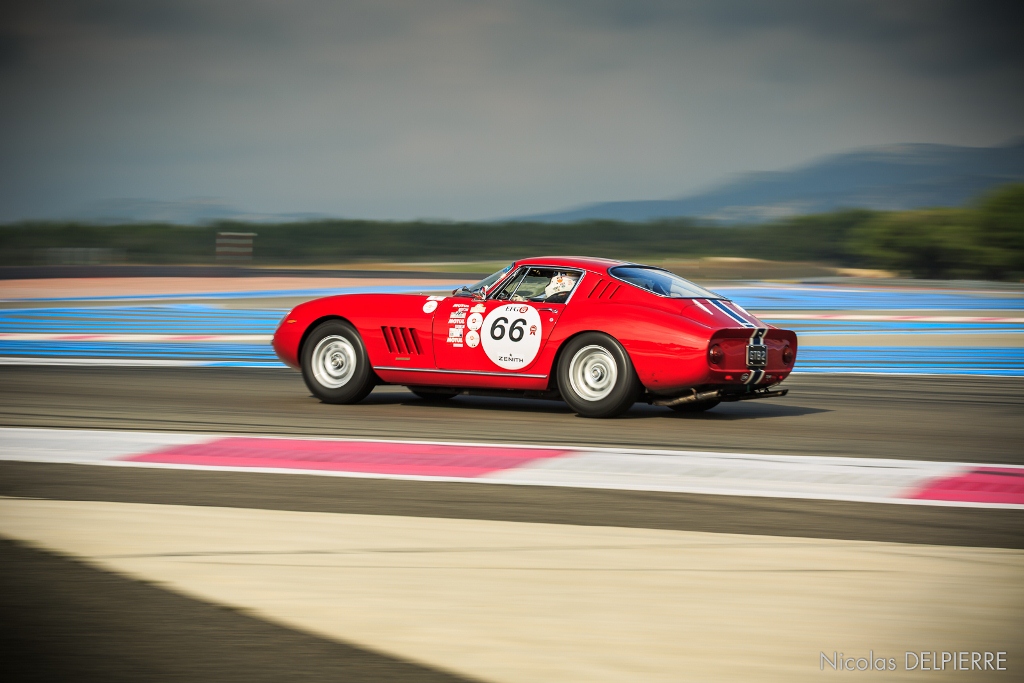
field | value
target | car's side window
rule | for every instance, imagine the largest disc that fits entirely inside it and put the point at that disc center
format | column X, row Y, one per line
column 532, row 285
column 509, row 288
column 550, row 285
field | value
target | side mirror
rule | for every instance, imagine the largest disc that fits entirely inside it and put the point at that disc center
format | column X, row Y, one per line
column 467, row 293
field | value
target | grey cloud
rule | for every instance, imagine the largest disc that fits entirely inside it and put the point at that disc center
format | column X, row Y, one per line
column 949, row 34
column 463, row 108
column 13, row 49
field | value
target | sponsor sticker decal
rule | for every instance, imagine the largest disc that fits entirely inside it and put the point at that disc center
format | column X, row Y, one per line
column 511, row 336
column 475, row 321
column 472, row 339
column 479, row 308
column 430, row 306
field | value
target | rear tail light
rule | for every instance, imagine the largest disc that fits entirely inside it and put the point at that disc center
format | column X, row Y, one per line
column 787, row 356
column 716, row 355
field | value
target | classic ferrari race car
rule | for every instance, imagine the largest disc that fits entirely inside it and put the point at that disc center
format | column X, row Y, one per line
column 599, row 334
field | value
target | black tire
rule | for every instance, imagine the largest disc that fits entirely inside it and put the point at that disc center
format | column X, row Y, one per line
column 432, row 395
column 596, row 377
column 335, row 365
column 695, row 406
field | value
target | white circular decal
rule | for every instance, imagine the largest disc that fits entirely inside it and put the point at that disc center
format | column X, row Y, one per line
column 474, row 321
column 429, row 307
column 472, row 339
column 511, row 335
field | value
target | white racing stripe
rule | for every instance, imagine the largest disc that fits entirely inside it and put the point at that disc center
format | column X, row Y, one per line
column 872, row 480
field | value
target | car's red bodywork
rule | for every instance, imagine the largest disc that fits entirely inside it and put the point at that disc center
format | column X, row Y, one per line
column 667, row 339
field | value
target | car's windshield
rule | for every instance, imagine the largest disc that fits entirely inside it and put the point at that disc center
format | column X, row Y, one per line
column 661, row 282
column 480, row 288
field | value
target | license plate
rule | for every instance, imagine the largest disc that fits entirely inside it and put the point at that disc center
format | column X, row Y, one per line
column 757, row 356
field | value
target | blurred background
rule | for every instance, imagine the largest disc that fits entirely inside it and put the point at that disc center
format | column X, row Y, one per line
column 176, row 175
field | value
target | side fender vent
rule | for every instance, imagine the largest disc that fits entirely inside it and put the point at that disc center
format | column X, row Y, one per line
column 403, row 340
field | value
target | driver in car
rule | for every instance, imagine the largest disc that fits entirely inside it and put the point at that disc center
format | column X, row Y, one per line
column 553, row 290
column 560, row 283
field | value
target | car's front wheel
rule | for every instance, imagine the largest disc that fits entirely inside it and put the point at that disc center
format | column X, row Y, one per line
column 335, row 365
column 596, row 377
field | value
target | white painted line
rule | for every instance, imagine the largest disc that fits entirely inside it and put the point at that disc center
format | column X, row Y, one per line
column 109, row 362
column 870, row 480
column 84, row 446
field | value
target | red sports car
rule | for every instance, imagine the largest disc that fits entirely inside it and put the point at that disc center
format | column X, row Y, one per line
column 597, row 333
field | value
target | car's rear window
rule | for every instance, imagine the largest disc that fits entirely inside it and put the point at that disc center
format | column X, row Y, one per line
column 661, row 282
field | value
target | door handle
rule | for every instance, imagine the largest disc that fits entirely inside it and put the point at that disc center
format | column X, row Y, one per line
column 549, row 310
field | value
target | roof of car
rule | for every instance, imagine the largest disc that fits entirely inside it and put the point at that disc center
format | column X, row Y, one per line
column 587, row 262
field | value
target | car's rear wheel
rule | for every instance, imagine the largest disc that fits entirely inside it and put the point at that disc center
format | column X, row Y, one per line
column 433, row 395
column 335, row 365
column 694, row 407
column 596, row 377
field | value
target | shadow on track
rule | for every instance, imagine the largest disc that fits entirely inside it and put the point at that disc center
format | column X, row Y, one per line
column 723, row 412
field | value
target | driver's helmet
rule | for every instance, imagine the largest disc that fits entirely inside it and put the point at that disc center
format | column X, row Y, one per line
column 561, row 282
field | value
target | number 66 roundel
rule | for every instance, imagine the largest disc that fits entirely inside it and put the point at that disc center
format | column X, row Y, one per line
column 511, row 336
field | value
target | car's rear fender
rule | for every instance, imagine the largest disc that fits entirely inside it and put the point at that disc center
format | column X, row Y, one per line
column 553, row 368
column 667, row 350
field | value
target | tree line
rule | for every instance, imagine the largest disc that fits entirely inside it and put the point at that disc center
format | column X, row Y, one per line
column 984, row 240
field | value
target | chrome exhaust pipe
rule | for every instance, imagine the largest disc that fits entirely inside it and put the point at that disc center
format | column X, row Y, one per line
column 692, row 397
column 752, row 395
column 717, row 395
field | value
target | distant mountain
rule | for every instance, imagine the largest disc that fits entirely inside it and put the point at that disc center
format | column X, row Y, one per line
column 895, row 177
column 187, row 212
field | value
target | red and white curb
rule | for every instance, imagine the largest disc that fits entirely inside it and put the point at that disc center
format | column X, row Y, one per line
column 874, row 480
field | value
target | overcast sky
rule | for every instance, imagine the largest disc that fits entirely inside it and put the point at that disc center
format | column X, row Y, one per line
column 464, row 109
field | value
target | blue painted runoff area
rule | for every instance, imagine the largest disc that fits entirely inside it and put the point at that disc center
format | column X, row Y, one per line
column 209, row 317
column 212, row 319
column 1006, row 361
column 150, row 319
column 924, row 360
column 186, row 351
column 269, row 293
column 831, row 298
column 755, row 296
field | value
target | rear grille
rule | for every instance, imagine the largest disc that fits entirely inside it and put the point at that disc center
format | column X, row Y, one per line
column 404, row 340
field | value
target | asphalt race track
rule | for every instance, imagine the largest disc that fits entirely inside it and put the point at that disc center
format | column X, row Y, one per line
column 108, row 610
column 966, row 419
